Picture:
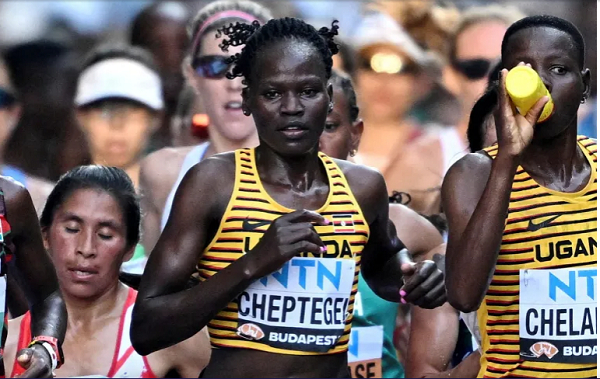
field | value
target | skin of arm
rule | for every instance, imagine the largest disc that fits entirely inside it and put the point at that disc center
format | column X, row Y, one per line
column 475, row 196
column 439, row 328
column 38, row 277
column 382, row 259
column 155, row 184
column 189, row 357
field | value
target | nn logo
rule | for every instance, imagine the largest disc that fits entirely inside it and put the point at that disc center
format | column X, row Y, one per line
column 544, row 348
column 250, row 332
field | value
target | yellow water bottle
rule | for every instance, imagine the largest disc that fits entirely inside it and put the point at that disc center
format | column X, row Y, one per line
column 525, row 88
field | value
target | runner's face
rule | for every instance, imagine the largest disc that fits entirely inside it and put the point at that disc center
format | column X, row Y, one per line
column 553, row 55
column 87, row 242
column 336, row 140
column 222, row 98
column 117, row 132
column 289, row 96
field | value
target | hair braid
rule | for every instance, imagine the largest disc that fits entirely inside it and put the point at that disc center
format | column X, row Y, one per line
column 255, row 37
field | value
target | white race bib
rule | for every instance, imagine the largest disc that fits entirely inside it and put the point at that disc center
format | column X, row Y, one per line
column 303, row 306
column 365, row 351
column 558, row 315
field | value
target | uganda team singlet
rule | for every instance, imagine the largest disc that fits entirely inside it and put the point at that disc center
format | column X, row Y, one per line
column 539, row 316
column 306, row 307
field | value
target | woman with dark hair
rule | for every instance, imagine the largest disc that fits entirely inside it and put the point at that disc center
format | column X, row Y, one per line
column 278, row 234
column 481, row 131
column 90, row 226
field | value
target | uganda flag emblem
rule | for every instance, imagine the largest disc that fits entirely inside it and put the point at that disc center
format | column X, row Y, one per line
column 343, row 223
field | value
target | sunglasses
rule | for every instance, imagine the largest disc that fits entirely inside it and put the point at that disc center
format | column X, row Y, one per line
column 473, row 69
column 6, row 99
column 211, row 66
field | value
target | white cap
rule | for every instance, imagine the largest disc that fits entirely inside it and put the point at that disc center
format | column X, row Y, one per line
column 380, row 28
column 122, row 78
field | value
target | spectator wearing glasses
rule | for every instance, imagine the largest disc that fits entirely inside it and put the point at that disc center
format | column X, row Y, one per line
column 228, row 129
column 10, row 111
column 392, row 74
column 474, row 49
column 419, row 168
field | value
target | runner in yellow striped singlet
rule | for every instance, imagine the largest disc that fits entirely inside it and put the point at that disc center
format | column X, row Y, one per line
column 277, row 281
column 522, row 216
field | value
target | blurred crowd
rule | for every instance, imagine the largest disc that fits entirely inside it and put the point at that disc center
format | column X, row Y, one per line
column 108, row 82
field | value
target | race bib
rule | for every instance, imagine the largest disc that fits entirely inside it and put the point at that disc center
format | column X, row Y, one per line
column 365, row 351
column 303, row 306
column 558, row 315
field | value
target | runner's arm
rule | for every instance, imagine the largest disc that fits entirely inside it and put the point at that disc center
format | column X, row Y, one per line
column 475, row 196
column 433, row 338
column 191, row 356
column 164, row 297
column 418, row 234
column 36, row 271
column 151, row 210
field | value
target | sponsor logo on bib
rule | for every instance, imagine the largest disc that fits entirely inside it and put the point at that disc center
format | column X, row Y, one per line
column 250, row 332
column 558, row 315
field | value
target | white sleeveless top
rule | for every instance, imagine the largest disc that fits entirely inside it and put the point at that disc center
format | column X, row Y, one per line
column 193, row 157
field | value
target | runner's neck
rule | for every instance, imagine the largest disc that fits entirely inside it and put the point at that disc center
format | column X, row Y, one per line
column 86, row 312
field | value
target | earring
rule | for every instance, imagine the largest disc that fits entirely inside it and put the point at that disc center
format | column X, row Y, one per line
column 353, row 152
column 583, row 100
column 330, row 108
column 246, row 112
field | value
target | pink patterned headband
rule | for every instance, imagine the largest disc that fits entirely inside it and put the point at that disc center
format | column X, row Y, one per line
column 219, row 16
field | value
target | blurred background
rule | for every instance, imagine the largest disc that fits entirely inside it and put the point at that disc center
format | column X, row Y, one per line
column 44, row 42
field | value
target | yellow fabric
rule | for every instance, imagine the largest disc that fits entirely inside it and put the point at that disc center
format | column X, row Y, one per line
column 522, row 249
column 250, row 202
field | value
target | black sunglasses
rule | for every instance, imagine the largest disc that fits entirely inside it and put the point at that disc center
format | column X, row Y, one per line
column 6, row 99
column 473, row 68
column 211, row 66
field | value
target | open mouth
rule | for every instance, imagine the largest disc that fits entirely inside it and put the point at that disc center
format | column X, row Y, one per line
column 294, row 130
column 233, row 106
column 82, row 273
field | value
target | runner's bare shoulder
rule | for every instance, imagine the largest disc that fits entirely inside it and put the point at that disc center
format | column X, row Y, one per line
column 476, row 166
column 161, row 168
column 212, row 179
column 367, row 185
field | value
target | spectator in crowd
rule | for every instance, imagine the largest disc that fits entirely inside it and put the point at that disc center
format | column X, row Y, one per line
column 119, row 103
column 474, row 49
column 393, row 72
column 44, row 75
column 160, row 29
column 10, row 110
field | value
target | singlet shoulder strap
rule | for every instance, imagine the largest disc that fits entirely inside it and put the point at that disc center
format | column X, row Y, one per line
column 492, row 151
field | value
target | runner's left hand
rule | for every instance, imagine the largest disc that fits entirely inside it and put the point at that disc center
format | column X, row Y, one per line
column 423, row 283
column 36, row 361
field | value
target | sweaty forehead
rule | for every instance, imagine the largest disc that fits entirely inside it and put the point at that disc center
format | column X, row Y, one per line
column 288, row 57
column 539, row 41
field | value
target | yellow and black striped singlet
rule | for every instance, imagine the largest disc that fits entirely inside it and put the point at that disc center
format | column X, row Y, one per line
column 286, row 320
column 545, row 232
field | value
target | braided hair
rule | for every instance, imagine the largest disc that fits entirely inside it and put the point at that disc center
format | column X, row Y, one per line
column 255, row 37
